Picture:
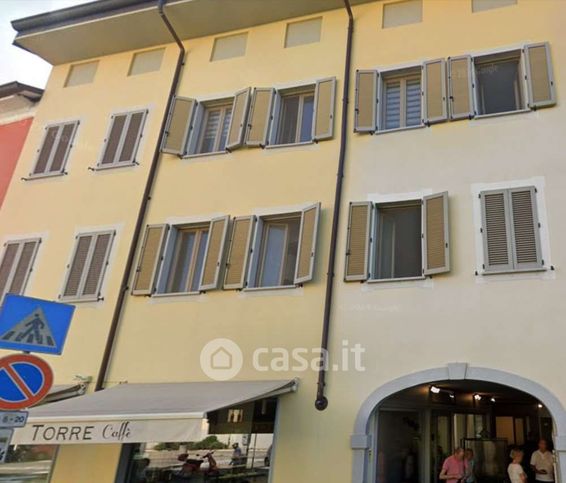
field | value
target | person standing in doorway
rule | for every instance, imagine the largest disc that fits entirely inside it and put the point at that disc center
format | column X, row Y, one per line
column 542, row 463
column 515, row 470
column 453, row 467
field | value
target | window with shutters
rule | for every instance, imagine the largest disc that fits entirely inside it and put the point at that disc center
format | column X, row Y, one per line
column 85, row 273
column 294, row 123
column 499, row 83
column 401, row 95
column 123, row 139
column 16, row 265
column 54, row 151
column 213, row 126
column 511, row 230
column 184, row 259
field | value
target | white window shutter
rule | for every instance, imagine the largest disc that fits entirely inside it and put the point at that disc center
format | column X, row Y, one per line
column 434, row 91
column 540, row 77
column 365, row 113
column 358, row 241
column 461, row 87
column 179, row 124
column 306, row 252
column 323, row 115
column 238, row 120
column 214, row 253
column 436, row 234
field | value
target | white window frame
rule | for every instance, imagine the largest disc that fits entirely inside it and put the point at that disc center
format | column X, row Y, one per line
column 168, row 257
column 195, row 138
column 94, row 297
column 20, row 242
column 500, row 56
column 48, row 173
column 403, row 74
column 302, row 91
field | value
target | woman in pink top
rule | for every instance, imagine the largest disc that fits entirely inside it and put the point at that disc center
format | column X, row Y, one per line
column 453, row 467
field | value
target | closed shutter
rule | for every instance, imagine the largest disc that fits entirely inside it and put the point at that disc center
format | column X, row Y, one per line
column 7, row 266
column 132, row 137
column 525, row 228
column 460, row 73
column 239, row 253
column 496, row 230
column 97, row 265
column 46, row 150
column 239, row 118
column 150, row 259
column 113, row 139
column 28, row 250
column 323, row 122
column 436, row 250
column 358, row 241
column 63, row 147
column 434, row 87
column 539, row 75
column 55, row 148
column 123, row 139
column 260, row 116
column 365, row 114
column 179, row 126
column 307, row 244
column 77, row 267
column 214, row 253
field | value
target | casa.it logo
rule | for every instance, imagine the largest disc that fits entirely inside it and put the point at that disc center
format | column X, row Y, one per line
column 221, row 359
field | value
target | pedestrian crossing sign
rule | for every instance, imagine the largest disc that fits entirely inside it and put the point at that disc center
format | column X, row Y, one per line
column 34, row 325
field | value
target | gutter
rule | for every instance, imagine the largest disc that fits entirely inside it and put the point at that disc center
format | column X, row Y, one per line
column 321, row 402
column 124, row 286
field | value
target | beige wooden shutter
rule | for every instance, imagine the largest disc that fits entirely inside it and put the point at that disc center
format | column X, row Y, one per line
column 365, row 114
column 525, row 228
column 118, row 123
column 307, row 244
column 238, row 120
column 63, row 147
column 179, row 125
column 358, row 241
column 24, row 266
column 77, row 266
column 7, row 266
column 460, row 74
column 97, row 265
column 132, row 137
column 496, row 231
column 214, row 253
column 436, row 249
column 260, row 116
column 239, row 252
column 323, row 119
column 150, row 259
column 434, row 88
column 539, row 75
column 46, row 149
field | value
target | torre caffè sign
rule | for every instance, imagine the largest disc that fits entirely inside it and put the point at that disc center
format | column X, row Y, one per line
column 117, row 431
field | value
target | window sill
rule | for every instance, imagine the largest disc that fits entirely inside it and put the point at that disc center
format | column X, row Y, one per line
column 32, row 177
column 510, row 272
column 202, row 155
column 264, row 289
column 399, row 129
column 501, row 114
column 289, row 145
column 113, row 166
column 75, row 300
column 389, row 280
column 174, row 294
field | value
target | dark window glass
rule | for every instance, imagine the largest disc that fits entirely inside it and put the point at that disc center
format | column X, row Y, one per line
column 499, row 86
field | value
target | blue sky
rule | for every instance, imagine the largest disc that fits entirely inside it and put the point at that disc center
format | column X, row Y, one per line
column 15, row 63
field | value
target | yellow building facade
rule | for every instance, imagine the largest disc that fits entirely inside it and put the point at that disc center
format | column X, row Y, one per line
column 440, row 334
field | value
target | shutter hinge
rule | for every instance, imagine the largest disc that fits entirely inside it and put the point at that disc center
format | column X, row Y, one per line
column 483, row 266
column 542, row 262
column 481, row 230
column 539, row 225
column 536, row 190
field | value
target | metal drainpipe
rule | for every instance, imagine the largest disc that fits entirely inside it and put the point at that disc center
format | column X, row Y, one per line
column 124, row 287
column 321, row 402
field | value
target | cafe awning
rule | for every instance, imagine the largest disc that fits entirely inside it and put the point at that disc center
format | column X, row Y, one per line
column 138, row 413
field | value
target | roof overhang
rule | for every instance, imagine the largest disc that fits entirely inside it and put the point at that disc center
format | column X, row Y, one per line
column 107, row 27
column 10, row 89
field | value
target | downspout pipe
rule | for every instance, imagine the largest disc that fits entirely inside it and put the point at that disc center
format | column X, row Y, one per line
column 138, row 229
column 321, row 402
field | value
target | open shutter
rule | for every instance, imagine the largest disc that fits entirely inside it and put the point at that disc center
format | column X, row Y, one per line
column 24, row 266
column 77, row 267
column 358, row 241
column 307, row 243
column 496, row 230
column 365, row 113
column 525, row 228
column 178, row 125
column 150, row 258
column 112, row 142
column 97, row 265
column 260, row 116
column 214, row 252
column 238, row 121
column 132, row 137
column 539, row 75
column 460, row 74
column 239, row 253
column 7, row 265
column 63, row 147
column 436, row 248
column 434, row 88
column 323, row 120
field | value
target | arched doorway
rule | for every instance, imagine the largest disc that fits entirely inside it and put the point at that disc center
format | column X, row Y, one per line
column 408, row 426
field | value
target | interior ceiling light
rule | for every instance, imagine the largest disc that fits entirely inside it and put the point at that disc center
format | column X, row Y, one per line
column 434, row 389
column 492, row 399
column 540, row 406
column 477, row 397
